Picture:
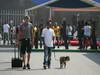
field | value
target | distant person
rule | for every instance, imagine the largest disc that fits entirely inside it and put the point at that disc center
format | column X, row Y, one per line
column 0, row 38
column 19, row 37
column 6, row 29
column 56, row 29
column 93, row 34
column 87, row 32
column 48, row 35
column 1, row 33
column 40, row 33
column 69, row 31
column 80, row 33
column 35, row 33
column 12, row 33
column 64, row 34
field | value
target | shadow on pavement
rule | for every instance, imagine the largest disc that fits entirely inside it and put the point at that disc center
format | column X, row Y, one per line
column 8, row 51
column 4, row 63
column 95, row 57
column 20, row 69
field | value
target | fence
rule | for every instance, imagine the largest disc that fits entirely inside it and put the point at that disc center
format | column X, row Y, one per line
column 11, row 16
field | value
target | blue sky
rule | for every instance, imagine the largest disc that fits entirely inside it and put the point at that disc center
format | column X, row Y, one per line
column 96, row 1
column 40, row 1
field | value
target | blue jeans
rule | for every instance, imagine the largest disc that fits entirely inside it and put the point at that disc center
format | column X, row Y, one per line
column 47, row 56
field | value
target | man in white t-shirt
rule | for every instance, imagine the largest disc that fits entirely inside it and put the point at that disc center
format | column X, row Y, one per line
column 87, row 35
column 87, row 30
column 6, row 28
column 48, row 35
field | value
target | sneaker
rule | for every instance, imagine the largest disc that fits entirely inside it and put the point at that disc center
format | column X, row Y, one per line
column 44, row 67
column 48, row 66
column 28, row 66
column 24, row 67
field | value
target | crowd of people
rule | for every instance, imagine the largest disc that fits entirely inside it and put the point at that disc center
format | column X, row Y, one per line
column 7, row 34
column 63, row 32
column 27, row 36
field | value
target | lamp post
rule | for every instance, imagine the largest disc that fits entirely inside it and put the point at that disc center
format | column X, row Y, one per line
column 11, row 32
column 77, row 18
column 50, row 14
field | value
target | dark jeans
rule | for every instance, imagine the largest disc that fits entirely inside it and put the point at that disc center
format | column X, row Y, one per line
column 47, row 56
column 65, row 38
column 41, row 42
column 58, row 39
column 6, row 37
column 80, row 43
column 36, row 42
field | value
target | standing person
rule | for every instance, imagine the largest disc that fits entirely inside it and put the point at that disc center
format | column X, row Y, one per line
column 93, row 35
column 19, row 37
column 64, row 34
column 87, row 30
column 87, row 33
column 40, row 32
column 6, row 28
column 26, row 41
column 35, row 36
column 56, row 29
column 48, row 35
column 12, row 32
column 80, row 33
column 69, row 32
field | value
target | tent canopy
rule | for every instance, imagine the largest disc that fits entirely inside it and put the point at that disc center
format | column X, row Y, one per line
column 60, row 4
column 69, row 4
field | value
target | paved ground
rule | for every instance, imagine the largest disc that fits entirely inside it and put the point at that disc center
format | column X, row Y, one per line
column 80, row 64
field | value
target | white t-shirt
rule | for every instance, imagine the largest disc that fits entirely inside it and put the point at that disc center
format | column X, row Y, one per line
column 48, row 35
column 68, row 30
column 6, row 28
column 87, row 31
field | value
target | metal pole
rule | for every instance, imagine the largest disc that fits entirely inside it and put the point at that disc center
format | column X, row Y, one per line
column 50, row 14
column 78, row 18
column 26, row 13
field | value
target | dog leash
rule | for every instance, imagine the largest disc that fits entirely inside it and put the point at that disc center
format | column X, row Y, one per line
column 55, row 57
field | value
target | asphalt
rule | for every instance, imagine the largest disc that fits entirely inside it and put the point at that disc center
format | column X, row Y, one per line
column 81, row 63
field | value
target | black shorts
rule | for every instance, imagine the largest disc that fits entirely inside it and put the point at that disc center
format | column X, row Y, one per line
column 25, row 46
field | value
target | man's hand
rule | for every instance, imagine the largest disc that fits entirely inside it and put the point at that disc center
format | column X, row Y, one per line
column 17, row 43
column 32, row 42
column 45, row 46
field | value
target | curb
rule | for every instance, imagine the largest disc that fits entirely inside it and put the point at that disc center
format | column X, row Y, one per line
column 66, row 50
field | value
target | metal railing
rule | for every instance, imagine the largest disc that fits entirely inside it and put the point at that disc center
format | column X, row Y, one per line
column 11, row 15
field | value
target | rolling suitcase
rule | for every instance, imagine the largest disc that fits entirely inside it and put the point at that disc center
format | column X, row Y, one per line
column 16, row 62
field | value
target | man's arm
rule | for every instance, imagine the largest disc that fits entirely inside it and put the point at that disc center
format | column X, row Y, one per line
column 17, row 36
column 43, row 37
column 53, row 35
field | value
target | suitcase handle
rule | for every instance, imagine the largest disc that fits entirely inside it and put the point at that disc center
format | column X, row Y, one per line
column 14, row 50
